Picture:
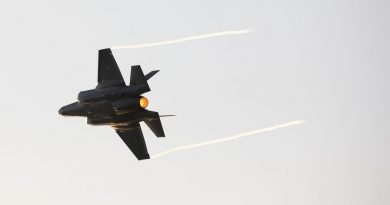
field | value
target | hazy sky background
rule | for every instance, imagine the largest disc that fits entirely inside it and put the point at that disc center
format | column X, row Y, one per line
column 325, row 61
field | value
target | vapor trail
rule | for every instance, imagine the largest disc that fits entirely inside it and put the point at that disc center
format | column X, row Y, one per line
column 180, row 40
column 268, row 129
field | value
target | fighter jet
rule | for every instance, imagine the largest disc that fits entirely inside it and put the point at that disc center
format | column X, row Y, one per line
column 114, row 103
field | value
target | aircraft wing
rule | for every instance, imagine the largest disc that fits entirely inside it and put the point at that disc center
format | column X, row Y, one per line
column 108, row 70
column 134, row 139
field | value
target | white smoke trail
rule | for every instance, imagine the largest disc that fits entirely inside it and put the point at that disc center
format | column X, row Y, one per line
column 268, row 129
column 180, row 40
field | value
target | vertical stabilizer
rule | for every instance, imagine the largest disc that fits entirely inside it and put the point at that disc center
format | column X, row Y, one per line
column 137, row 77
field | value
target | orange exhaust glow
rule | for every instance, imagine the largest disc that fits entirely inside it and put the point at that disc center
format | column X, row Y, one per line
column 143, row 102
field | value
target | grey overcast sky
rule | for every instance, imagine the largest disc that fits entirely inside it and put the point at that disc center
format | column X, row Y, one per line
column 324, row 61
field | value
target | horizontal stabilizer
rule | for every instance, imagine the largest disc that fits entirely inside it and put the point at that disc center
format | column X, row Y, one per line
column 151, row 74
column 155, row 125
column 167, row 115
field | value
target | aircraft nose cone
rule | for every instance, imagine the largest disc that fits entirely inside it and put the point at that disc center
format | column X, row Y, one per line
column 61, row 111
column 73, row 109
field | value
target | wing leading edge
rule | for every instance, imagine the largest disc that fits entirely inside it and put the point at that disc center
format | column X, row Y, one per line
column 108, row 70
column 134, row 139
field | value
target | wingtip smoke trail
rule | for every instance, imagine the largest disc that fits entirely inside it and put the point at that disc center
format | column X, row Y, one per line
column 268, row 129
column 190, row 38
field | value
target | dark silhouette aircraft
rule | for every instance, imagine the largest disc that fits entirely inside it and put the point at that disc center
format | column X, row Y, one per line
column 114, row 103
